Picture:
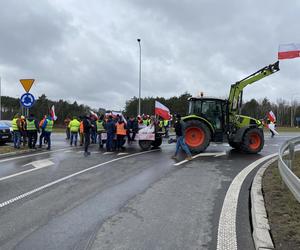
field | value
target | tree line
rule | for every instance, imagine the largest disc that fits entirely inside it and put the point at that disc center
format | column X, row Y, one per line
column 11, row 106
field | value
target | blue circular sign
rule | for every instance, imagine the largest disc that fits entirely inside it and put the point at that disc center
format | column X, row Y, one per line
column 27, row 100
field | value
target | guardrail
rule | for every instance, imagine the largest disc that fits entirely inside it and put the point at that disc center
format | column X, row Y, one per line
column 286, row 166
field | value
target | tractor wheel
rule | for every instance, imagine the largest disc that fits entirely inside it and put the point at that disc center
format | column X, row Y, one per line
column 145, row 144
column 235, row 145
column 157, row 142
column 197, row 136
column 253, row 141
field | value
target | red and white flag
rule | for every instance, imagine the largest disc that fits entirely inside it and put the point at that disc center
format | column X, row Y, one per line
column 162, row 111
column 93, row 114
column 288, row 51
column 271, row 116
column 52, row 113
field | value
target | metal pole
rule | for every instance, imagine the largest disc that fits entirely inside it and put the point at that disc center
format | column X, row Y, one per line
column 140, row 77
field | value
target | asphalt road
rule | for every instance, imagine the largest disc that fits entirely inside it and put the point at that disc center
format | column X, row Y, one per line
column 136, row 200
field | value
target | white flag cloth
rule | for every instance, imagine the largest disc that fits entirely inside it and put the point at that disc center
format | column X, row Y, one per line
column 52, row 113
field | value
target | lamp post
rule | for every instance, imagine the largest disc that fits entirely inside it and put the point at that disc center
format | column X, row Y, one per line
column 140, row 77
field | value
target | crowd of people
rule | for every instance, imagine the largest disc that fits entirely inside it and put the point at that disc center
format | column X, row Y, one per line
column 108, row 129
column 26, row 130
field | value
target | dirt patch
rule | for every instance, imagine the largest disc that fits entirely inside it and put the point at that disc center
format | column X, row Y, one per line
column 9, row 149
column 282, row 208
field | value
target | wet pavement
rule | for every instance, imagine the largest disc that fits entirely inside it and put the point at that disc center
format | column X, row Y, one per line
column 135, row 200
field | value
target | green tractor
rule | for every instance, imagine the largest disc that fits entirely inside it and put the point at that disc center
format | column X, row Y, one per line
column 219, row 120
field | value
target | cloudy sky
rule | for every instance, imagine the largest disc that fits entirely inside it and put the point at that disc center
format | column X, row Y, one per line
column 87, row 50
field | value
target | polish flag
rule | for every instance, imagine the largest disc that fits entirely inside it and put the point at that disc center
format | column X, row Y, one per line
column 94, row 114
column 288, row 51
column 271, row 116
column 52, row 113
column 162, row 111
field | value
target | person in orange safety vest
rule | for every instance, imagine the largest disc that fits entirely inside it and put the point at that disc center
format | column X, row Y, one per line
column 121, row 132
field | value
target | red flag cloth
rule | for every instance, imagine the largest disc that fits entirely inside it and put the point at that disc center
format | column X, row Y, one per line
column 271, row 116
column 288, row 51
column 162, row 111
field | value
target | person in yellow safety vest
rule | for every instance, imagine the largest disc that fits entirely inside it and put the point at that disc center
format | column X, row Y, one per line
column 74, row 129
column 47, row 126
column 32, row 131
column 166, row 126
column 145, row 121
column 121, row 133
column 81, row 131
column 100, row 129
column 16, row 127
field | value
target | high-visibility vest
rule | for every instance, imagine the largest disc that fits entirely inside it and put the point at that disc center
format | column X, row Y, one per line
column 145, row 122
column 49, row 126
column 81, row 127
column 14, row 124
column 121, row 129
column 100, row 127
column 160, row 124
column 166, row 123
column 74, row 125
column 31, row 125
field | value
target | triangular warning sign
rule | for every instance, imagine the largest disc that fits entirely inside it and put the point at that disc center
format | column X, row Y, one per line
column 27, row 83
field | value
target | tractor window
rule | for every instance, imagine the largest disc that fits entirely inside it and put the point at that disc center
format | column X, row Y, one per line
column 212, row 110
column 195, row 107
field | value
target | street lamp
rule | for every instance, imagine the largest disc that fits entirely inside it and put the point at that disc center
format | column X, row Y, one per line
column 140, row 77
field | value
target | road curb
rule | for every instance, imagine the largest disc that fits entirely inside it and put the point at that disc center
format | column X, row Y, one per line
column 261, row 229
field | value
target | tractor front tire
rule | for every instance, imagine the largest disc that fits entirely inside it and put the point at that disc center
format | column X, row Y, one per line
column 253, row 141
column 157, row 142
column 197, row 136
column 145, row 144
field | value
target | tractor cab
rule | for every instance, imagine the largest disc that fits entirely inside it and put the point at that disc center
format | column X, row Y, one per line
column 211, row 109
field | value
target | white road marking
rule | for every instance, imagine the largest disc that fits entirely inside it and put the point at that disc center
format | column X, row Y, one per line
column 216, row 154
column 3, row 204
column 36, row 164
column 108, row 153
column 227, row 222
column 122, row 154
column 29, row 155
column 40, row 163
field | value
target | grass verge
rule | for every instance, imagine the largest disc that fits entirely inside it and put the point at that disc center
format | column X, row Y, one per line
column 9, row 149
column 282, row 208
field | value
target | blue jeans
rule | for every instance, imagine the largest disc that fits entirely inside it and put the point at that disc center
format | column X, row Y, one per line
column 74, row 135
column 48, row 138
column 109, row 141
column 17, row 139
column 181, row 143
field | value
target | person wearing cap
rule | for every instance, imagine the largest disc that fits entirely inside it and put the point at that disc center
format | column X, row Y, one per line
column 180, row 134
column 67, row 122
column 23, row 130
column 87, row 126
column 74, row 129
column 48, row 127
column 32, row 131
column 132, row 129
column 16, row 127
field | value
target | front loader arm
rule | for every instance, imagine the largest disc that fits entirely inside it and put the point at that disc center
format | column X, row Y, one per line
column 236, row 90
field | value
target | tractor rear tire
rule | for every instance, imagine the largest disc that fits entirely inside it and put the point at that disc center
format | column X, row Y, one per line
column 145, row 144
column 253, row 141
column 197, row 136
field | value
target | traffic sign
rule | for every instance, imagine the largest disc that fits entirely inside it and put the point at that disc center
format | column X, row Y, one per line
column 27, row 100
column 27, row 83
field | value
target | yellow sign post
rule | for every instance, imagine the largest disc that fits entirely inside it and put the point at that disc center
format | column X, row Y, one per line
column 27, row 83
